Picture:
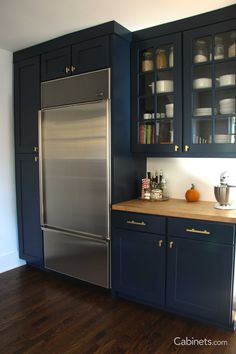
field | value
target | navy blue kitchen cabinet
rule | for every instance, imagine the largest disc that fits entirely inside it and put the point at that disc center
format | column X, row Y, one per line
column 199, row 279
column 201, row 120
column 28, row 209
column 188, row 269
column 26, row 104
column 157, row 95
column 209, row 89
column 138, row 262
column 85, row 56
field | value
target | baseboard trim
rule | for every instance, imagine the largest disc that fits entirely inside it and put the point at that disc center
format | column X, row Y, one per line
column 10, row 261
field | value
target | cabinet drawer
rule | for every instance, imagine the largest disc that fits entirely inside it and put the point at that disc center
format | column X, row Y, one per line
column 139, row 222
column 201, row 230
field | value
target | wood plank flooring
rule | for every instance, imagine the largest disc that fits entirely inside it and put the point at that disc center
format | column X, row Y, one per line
column 42, row 313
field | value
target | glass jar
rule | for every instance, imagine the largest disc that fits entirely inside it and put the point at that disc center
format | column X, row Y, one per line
column 161, row 59
column 171, row 57
column 232, row 45
column 147, row 62
column 219, row 48
column 200, row 54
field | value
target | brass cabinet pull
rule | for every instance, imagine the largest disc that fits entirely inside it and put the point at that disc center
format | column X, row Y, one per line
column 67, row 69
column 160, row 242
column 132, row 222
column 171, row 244
column 186, row 148
column 176, row 147
column 72, row 68
column 203, row 232
column 36, row 149
column 36, row 159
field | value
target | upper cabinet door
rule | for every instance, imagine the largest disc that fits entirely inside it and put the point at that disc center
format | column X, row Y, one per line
column 210, row 89
column 56, row 64
column 156, row 95
column 26, row 104
column 90, row 55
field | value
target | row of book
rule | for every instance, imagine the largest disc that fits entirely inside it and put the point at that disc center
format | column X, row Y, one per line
column 159, row 133
column 146, row 134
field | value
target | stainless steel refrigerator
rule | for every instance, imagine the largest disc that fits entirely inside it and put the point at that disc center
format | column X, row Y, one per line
column 74, row 150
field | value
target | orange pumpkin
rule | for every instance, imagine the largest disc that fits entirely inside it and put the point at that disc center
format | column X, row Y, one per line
column 192, row 194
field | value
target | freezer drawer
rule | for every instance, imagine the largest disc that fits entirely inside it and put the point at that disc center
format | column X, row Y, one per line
column 77, row 256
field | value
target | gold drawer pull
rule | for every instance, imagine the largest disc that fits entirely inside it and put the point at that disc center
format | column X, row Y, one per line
column 171, row 243
column 132, row 222
column 203, row 232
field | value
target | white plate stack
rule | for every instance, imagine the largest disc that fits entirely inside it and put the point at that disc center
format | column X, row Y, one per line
column 227, row 106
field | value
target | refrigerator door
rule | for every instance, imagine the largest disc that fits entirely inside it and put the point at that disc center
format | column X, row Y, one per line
column 74, row 168
column 80, row 257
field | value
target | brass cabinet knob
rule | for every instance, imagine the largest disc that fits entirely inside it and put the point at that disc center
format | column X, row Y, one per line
column 72, row 68
column 186, row 148
column 36, row 159
column 35, row 149
column 171, row 244
column 176, row 147
column 160, row 242
column 67, row 70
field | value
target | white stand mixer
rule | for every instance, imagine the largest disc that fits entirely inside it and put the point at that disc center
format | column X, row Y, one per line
column 225, row 194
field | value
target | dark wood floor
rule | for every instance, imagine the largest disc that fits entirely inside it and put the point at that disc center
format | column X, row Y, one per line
column 43, row 313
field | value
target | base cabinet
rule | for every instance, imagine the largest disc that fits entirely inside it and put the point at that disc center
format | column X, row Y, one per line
column 190, row 273
column 199, row 279
column 28, row 209
column 139, row 265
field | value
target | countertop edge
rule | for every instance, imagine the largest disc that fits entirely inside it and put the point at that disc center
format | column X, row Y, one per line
column 198, row 215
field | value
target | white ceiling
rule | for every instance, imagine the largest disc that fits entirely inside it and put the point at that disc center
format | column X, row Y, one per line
column 27, row 22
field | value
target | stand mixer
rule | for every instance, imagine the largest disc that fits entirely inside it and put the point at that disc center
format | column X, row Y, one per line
column 225, row 194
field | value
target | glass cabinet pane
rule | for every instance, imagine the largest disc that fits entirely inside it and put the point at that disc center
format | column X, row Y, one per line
column 225, row 131
column 202, row 51
column 225, row 101
column 146, row 82
column 225, row 74
column 146, row 60
column 146, row 108
column 202, row 131
column 225, row 45
column 202, row 103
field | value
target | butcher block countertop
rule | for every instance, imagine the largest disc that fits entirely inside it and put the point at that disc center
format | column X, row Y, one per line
column 178, row 208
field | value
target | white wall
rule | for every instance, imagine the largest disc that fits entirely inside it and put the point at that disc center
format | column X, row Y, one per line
column 203, row 172
column 8, row 226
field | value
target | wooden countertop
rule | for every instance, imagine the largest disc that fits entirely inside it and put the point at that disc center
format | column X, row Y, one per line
column 178, row 208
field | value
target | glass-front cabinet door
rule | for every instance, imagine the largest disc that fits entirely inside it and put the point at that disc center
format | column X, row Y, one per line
column 210, row 89
column 156, row 95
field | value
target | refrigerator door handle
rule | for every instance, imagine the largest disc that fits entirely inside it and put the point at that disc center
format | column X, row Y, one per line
column 89, row 237
column 42, row 221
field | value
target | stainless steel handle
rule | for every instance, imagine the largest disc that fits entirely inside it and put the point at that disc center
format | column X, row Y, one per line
column 87, row 237
column 171, row 243
column 203, row 232
column 132, row 222
column 40, row 168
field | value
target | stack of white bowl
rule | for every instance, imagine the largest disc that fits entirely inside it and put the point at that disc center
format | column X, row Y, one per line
column 227, row 106
column 227, row 80
column 205, row 111
column 222, row 138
